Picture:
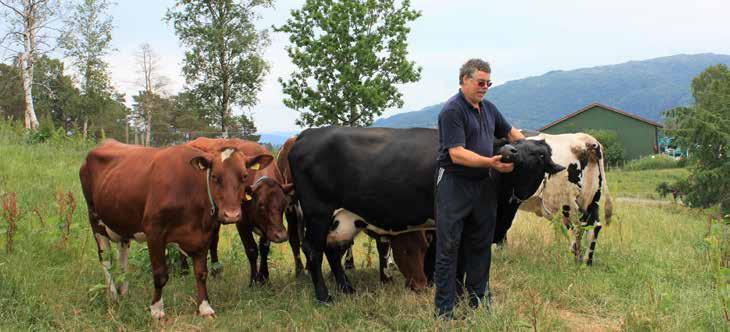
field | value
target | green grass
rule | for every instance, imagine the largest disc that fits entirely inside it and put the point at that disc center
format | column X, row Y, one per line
column 642, row 184
column 652, row 271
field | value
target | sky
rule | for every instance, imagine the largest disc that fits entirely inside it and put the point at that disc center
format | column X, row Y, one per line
column 519, row 38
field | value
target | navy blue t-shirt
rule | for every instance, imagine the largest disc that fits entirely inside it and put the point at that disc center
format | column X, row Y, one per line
column 461, row 124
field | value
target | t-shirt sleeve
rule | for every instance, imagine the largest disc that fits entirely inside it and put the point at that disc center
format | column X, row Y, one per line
column 451, row 128
column 501, row 126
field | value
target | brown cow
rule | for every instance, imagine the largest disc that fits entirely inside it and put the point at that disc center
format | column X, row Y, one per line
column 162, row 195
column 263, row 214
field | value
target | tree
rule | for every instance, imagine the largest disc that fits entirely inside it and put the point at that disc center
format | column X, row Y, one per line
column 30, row 26
column 152, row 82
column 704, row 129
column 88, row 41
column 350, row 56
column 613, row 150
column 224, row 62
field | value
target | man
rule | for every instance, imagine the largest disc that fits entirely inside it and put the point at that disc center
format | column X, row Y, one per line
column 466, row 205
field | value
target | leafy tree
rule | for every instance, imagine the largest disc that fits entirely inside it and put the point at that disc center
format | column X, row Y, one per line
column 88, row 42
column 704, row 129
column 224, row 62
column 613, row 150
column 243, row 127
column 350, row 56
column 29, row 31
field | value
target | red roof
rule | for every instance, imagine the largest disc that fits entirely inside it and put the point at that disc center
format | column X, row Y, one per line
column 592, row 105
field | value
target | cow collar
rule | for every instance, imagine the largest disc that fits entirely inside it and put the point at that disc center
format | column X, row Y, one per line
column 258, row 182
column 515, row 199
column 213, row 208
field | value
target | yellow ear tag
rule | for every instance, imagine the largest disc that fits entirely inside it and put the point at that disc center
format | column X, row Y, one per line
column 248, row 197
column 255, row 166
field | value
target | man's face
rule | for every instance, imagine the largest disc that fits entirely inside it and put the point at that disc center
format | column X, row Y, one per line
column 476, row 86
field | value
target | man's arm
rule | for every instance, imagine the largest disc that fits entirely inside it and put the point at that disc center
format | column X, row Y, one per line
column 514, row 135
column 461, row 156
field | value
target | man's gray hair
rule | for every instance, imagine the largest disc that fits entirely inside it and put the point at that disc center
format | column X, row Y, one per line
column 471, row 66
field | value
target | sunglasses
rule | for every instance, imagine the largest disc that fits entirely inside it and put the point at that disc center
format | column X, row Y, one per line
column 483, row 83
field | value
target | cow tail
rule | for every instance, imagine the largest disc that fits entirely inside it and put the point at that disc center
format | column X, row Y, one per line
column 608, row 202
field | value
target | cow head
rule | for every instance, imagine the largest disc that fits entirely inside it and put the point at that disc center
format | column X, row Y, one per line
column 227, row 179
column 269, row 199
column 532, row 159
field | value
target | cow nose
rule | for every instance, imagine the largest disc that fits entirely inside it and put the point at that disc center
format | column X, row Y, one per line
column 513, row 150
column 232, row 214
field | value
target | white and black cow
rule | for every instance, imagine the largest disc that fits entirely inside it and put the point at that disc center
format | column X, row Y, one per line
column 575, row 194
column 385, row 179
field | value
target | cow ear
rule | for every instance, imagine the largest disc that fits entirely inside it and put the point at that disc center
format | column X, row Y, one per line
column 201, row 163
column 259, row 162
column 552, row 168
column 288, row 188
column 247, row 194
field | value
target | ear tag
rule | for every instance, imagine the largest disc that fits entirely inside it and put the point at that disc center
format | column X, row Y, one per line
column 248, row 197
column 255, row 166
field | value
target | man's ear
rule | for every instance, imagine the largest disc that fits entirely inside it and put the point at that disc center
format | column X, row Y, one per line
column 259, row 162
column 201, row 163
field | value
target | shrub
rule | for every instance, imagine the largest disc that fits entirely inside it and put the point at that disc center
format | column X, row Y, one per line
column 653, row 162
column 613, row 150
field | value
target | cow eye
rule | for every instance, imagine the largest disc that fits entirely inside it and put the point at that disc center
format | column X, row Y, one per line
column 542, row 156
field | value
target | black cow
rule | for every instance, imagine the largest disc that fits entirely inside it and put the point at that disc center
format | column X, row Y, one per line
column 385, row 177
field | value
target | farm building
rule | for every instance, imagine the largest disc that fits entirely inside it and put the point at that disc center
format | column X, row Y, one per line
column 638, row 136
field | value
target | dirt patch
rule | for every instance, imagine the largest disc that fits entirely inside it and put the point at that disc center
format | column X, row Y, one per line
column 582, row 322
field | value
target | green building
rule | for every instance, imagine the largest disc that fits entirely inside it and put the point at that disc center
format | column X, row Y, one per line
column 638, row 136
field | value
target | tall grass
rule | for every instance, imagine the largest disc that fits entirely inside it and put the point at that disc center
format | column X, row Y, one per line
column 653, row 270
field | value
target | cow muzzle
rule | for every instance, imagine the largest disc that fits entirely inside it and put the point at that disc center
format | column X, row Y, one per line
column 231, row 216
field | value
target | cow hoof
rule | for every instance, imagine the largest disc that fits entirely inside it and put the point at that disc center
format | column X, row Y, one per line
column 347, row 289
column 326, row 301
column 204, row 310
column 123, row 289
column 216, row 269
column 158, row 310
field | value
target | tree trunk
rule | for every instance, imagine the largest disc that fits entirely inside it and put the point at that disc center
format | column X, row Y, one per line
column 86, row 128
column 25, row 64
column 149, row 127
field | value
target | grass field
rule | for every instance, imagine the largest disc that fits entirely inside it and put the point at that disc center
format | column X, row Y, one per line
column 654, row 270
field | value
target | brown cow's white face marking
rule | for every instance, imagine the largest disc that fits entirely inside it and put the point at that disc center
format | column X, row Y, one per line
column 227, row 154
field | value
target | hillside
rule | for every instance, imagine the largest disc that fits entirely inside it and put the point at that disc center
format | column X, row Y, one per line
column 645, row 88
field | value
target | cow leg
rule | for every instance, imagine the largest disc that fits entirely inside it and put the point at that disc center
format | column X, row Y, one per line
column 156, row 249
column 334, row 257
column 184, row 267
column 216, row 267
column 200, row 266
column 314, row 255
column 574, row 246
column 103, row 247
column 294, row 239
column 123, row 263
column 249, row 244
column 264, row 246
column 592, row 247
column 430, row 258
column 349, row 259
column 384, row 256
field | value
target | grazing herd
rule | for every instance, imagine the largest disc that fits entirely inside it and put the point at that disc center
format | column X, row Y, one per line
column 331, row 184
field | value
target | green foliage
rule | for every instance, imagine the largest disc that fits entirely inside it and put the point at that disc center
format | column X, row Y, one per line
column 704, row 129
column 350, row 55
column 658, row 161
column 643, row 184
column 613, row 150
column 224, row 63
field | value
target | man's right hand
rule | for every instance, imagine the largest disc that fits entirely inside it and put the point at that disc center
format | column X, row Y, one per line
column 497, row 164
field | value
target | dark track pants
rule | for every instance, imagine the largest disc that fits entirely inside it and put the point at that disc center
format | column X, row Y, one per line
column 466, row 212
